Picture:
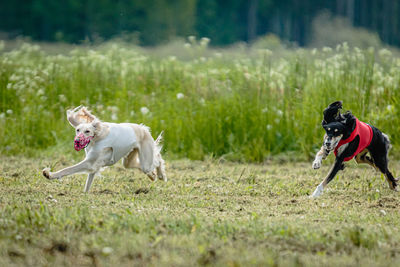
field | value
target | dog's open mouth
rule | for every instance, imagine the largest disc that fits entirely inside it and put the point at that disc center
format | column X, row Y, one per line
column 81, row 141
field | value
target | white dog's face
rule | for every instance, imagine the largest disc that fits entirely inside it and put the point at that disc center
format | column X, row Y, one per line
column 87, row 129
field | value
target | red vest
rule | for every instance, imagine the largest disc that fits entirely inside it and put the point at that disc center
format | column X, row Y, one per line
column 364, row 131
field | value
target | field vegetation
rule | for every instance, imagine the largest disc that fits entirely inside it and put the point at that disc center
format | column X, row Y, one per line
column 244, row 103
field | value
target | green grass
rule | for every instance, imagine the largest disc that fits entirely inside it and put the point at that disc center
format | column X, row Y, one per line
column 209, row 212
column 245, row 106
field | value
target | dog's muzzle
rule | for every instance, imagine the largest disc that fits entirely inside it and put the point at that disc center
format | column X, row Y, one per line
column 81, row 141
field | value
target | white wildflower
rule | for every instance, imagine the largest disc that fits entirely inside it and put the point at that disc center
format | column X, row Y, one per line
column 269, row 126
column 62, row 98
column 180, row 96
column 107, row 250
column 114, row 117
column 204, row 41
column 326, row 49
column 9, row 111
column 384, row 53
column 382, row 212
column 144, row 110
column 40, row 92
column 187, row 45
column 192, row 39
column 2, row 115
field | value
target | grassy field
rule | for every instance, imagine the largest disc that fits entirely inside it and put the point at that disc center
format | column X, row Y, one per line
column 208, row 213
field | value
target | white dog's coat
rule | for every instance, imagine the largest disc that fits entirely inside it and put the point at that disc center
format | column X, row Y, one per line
column 109, row 143
column 121, row 139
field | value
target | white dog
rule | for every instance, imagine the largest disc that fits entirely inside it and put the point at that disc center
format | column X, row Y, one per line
column 106, row 143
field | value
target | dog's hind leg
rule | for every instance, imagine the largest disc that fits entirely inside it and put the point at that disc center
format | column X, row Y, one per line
column 363, row 158
column 332, row 173
column 132, row 160
column 381, row 163
column 146, row 158
column 161, row 169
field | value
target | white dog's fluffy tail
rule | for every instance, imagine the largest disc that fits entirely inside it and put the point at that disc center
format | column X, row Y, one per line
column 158, row 159
column 157, row 142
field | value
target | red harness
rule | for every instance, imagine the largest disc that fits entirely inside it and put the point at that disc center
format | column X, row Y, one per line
column 364, row 131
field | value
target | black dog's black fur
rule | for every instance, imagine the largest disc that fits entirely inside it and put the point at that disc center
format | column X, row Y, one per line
column 336, row 124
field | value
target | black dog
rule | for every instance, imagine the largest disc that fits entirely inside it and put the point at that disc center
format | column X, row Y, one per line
column 350, row 138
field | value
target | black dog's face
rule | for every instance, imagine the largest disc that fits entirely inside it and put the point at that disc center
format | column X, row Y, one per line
column 334, row 132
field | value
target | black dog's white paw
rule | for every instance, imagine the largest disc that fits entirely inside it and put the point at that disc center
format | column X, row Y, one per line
column 316, row 164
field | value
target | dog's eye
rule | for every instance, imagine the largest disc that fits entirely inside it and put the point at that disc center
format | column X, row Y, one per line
column 87, row 131
column 77, row 130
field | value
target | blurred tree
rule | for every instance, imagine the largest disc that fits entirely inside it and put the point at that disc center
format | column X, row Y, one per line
column 156, row 21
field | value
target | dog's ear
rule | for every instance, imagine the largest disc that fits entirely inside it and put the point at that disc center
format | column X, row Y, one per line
column 332, row 113
column 72, row 118
column 97, row 125
column 79, row 115
column 336, row 104
column 349, row 120
column 85, row 116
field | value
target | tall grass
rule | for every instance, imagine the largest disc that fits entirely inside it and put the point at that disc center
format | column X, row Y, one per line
column 242, row 107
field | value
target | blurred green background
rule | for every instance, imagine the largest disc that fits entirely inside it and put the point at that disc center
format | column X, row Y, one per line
column 153, row 22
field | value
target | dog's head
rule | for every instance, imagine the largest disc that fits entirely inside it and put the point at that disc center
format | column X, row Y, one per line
column 337, row 130
column 334, row 133
column 85, row 132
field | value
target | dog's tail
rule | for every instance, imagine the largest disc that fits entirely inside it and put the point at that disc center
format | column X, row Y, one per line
column 158, row 141
column 387, row 142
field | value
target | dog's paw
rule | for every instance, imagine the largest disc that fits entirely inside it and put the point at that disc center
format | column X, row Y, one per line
column 152, row 175
column 317, row 192
column 316, row 164
column 46, row 173
column 395, row 187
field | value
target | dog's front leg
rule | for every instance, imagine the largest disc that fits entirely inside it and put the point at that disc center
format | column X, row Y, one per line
column 321, row 154
column 332, row 173
column 83, row 166
column 89, row 181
